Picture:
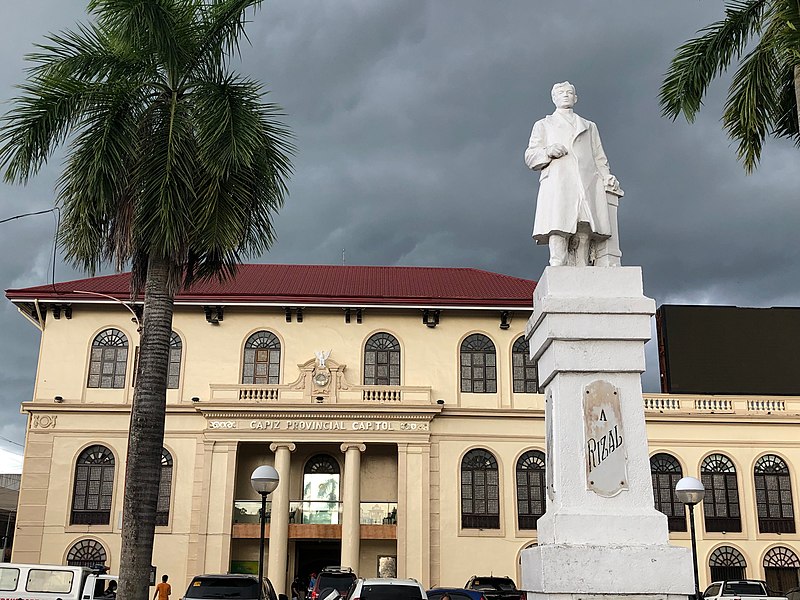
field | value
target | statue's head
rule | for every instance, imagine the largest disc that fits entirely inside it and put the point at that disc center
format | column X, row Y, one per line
column 564, row 95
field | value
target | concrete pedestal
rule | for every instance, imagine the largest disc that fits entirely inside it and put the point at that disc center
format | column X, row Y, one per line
column 601, row 536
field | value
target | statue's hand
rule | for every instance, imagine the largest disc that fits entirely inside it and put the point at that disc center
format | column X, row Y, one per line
column 556, row 150
column 611, row 182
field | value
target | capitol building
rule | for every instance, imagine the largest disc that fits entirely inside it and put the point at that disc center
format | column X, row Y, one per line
column 401, row 410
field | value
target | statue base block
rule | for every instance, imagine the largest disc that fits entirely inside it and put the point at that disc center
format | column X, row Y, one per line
column 583, row 572
column 601, row 536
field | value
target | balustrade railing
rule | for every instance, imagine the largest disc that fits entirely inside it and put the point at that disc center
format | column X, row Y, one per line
column 379, row 513
column 249, row 511
column 663, row 403
column 316, row 512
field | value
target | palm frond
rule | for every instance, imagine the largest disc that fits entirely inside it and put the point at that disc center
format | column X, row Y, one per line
column 700, row 60
column 750, row 110
column 94, row 188
column 219, row 33
column 158, row 27
column 39, row 121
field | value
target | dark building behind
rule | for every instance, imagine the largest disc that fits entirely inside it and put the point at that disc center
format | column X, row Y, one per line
column 728, row 350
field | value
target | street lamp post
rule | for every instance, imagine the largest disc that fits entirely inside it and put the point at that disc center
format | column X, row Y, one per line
column 264, row 481
column 690, row 491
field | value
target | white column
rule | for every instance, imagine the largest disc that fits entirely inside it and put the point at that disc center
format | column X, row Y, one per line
column 351, row 505
column 279, row 519
column 413, row 511
column 601, row 534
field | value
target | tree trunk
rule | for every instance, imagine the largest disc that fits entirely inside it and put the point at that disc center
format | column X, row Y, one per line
column 146, row 436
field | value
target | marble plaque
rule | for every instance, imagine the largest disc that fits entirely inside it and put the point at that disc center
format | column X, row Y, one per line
column 606, row 460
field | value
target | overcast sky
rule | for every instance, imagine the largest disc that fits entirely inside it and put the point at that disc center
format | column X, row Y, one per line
column 411, row 119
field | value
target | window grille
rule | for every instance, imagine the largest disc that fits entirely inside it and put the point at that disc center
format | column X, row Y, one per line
column 727, row 563
column 164, row 489
column 478, row 365
column 86, row 553
column 721, row 502
column 531, row 489
column 108, row 360
column 262, row 359
column 175, row 352
column 94, row 486
column 773, row 495
column 480, row 491
column 382, row 360
column 525, row 377
column 666, row 471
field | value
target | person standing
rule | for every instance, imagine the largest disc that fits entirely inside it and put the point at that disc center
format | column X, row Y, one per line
column 571, row 208
column 297, row 589
column 163, row 589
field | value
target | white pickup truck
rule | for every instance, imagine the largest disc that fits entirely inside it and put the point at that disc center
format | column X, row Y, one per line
column 55, row 582
column 742, row 589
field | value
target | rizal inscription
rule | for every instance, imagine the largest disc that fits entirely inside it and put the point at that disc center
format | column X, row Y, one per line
column 606, row 459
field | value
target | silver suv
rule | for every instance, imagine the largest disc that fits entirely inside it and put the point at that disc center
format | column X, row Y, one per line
column 387, row 589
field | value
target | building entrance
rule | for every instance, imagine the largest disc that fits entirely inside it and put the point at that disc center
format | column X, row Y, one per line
column 313, row 556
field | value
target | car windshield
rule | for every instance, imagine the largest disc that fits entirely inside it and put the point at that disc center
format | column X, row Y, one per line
column 390, row 592
column 223, row 587
column 743, row 588
column 504, row 585
column 341, row 582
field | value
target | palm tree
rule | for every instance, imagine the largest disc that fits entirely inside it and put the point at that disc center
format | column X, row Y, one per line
column 175, row 167
column 763, row 36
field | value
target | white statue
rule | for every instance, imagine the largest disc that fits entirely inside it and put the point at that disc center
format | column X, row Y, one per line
column 322, row 356
column 571, row 209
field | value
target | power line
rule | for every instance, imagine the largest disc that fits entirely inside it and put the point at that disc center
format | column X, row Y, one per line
column 11, row 441
column 30, row 214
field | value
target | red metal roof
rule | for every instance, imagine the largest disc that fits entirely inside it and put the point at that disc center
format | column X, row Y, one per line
column 319, row 284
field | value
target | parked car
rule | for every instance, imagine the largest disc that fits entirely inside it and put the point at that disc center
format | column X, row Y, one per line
column 236, row 587
column 495, row 588
column 332, row 578
column 387, row 588
column 439, row 593
column 793, row 594
column 55, row 582
column 752, row 589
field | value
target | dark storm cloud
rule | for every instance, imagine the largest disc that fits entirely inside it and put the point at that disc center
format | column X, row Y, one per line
column 411, row 119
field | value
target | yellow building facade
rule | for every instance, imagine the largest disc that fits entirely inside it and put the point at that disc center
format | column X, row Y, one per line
column 397, row 405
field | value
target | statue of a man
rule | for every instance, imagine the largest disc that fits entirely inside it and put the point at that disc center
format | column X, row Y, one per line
column 571, row 209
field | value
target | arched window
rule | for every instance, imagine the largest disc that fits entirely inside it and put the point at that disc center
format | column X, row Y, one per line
column 665, row 471
column 175, row 351
column 531, row 489
column 726, row 563
column 782, row 569
column 524, row 369
column 164, row 488
column 478, row 365
column 109, row 358
column 321, row 491
column 86, row 553
column 94, row 485
column 382, row 360
column 721, row 502
column 773, row 495
column 480, row 491
column 262, row 359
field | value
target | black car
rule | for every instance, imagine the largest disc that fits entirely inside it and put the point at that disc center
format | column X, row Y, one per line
column 336, row 578
column 495, row 588
column 236, row 587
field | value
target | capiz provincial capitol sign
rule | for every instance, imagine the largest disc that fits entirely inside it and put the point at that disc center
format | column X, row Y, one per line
column 318, row 425
column 606, row 459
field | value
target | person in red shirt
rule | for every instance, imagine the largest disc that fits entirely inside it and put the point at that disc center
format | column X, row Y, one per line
column 163, row 589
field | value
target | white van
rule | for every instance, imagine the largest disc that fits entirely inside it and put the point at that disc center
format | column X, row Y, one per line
column 54, row 582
